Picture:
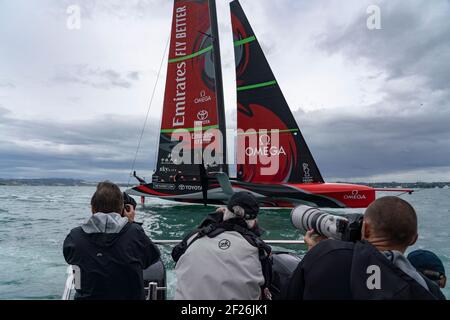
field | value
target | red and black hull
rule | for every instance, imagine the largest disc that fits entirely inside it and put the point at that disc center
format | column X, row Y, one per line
column 324, row 195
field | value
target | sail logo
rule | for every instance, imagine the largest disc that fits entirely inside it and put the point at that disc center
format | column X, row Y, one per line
column 180, row 51
column 265, row 148
column 202, row 115
column 180, row 24
column 166, row 161
column 203, row 98
column 180, row 100
column 167, row 169
column 265, row 151
column 164, row 186
column 258, row 147
column 355, row 196
column 307, row 174
column 183, row 187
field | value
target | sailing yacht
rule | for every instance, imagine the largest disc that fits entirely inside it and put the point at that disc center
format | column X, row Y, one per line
column 267, row 129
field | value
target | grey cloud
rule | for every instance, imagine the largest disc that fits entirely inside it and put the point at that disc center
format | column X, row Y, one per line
column 90, row 9
column 7, row 84
column 414, row 40
column 408, row 129
column 3, row 111
column 87, row 149
column 95, row 77
column 348, row 145
column 134, row 75
column 344, row 145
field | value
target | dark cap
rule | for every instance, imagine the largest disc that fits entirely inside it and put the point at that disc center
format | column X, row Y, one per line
column 246, row 201
column 426, row 260
column 129, row 200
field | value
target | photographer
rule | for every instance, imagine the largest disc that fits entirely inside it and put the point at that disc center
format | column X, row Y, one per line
column 373, row 268
column 129, row 209
column 109, row 249
column 430, row 266
column 224, row 259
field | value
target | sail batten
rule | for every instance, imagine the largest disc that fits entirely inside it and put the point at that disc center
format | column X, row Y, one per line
column 191, row 129
column 193, row 55
column 244, row 41
column 257, row 85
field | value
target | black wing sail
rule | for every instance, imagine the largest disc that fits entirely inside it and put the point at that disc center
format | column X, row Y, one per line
column 262, row 106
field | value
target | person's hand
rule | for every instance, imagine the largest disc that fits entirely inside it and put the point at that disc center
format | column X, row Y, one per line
column 221, row 210
column 312, row 238
column 129, row 212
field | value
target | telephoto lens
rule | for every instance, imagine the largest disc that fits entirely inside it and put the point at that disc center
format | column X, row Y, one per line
column 306, row 218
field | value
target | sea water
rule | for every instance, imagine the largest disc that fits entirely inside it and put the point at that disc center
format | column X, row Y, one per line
column 35, row 220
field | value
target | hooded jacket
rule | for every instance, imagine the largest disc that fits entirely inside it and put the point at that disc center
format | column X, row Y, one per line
column 337, row 270
column 111, row 254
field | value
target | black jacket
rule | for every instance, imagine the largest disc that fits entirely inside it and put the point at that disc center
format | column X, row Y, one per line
column 337, row 270
column 111, row 263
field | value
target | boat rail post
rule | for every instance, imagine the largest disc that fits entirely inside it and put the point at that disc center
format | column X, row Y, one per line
column 153, row 290
column 70, row 284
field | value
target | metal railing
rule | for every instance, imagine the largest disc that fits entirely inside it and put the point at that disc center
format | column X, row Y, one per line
column 273, row 242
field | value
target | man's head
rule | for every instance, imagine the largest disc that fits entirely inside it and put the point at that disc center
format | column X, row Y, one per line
column 429, row 265
column 242, row 205
column 107, row 199
column 390, row 223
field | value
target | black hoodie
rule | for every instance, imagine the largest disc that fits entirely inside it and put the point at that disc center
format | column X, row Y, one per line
column 337, row 270
column 111, row 254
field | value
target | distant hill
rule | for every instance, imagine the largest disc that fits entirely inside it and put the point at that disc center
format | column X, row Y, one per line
column 45, row 182
column 79, row 182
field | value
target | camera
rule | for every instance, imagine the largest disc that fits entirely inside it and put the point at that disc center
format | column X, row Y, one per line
column 345, row 227
column 128, row 201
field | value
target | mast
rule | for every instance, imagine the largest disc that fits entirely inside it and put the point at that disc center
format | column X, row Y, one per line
column 218, row 80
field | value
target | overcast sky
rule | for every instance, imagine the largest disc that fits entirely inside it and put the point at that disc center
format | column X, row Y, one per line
column 373, row 105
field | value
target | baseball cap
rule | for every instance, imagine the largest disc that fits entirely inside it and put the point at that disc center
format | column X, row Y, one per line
column 246, row 201
column 426, row 260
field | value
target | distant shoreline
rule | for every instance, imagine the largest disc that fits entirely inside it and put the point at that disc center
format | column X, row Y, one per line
column 56, row 182
column 50, row 182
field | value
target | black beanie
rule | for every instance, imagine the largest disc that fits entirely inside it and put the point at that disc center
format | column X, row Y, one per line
column 246, row 201
column 129, row 200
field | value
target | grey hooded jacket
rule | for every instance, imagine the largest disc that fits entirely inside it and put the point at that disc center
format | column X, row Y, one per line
column 226, row 267
column 105, row 223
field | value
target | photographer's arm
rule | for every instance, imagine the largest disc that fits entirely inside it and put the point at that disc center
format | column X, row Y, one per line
column 147, row 250
column 311, row 238
column 69, row 249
